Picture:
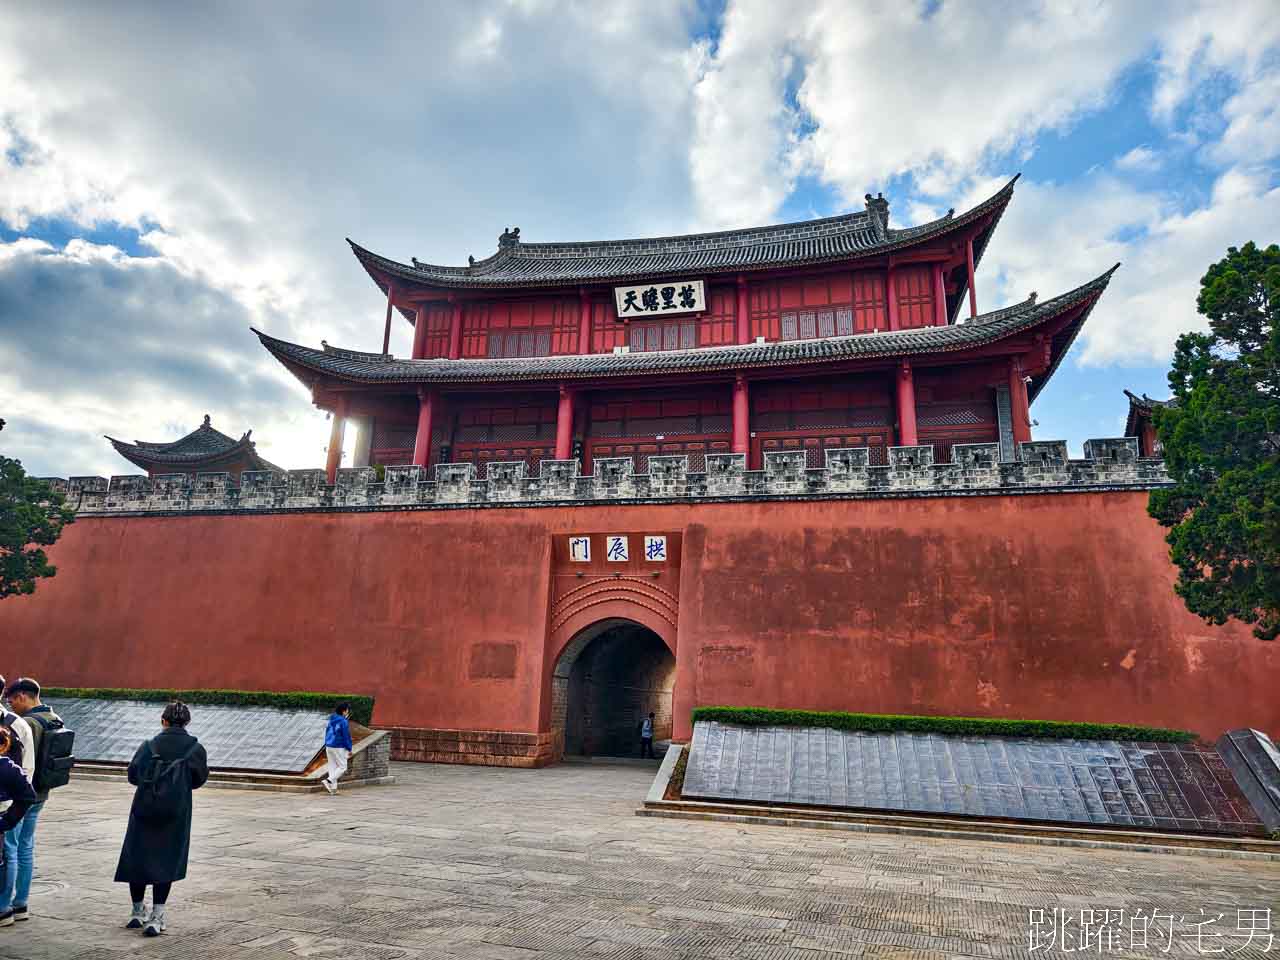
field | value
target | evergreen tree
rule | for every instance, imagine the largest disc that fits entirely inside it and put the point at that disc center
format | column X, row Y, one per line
column 1221, row 439
column 32, row 515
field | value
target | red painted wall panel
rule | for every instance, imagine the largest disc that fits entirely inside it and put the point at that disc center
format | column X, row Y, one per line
column 437, row 344
column 717, row 326
column 1055, row 606
column 869, row 311
column 556, row 320
column 607, row 331
column 915, row 296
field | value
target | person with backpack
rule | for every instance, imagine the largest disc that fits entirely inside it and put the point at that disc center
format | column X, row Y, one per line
column 50, row 767
column 337, row 746
column 165, row 769
column 15, row 791
column 23, row 730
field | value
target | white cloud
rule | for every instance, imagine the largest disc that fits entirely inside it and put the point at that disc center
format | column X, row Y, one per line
column 744, row 129
column 1141, row 159
column 1253, row 122
column 1195, row 41
column 1055, row 237
column 890, row 91
column 941, row 94
column 247, row 144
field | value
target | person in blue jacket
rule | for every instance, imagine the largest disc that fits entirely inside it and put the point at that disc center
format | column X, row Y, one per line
column 337, row 745
column 16, row 790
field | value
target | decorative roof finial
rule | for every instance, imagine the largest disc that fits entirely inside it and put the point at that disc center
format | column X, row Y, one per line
column 510, row 237
column 206, row 420
column 878, row 208
column 471, row 260
column 1033, row 296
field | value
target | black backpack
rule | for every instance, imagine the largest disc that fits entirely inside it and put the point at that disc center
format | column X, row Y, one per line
column 54, row 758
column 163, row 787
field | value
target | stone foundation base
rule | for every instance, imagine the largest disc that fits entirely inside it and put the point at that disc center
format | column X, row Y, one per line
column 492, row 748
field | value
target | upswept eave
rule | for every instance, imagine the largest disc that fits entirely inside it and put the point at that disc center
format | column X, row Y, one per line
column 204, row 445
column 831, row 240
column 311, row 365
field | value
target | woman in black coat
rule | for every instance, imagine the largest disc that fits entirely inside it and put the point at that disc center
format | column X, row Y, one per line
column 155, row 849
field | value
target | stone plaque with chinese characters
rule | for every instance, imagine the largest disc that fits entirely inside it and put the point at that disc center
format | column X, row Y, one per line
column 666, row 297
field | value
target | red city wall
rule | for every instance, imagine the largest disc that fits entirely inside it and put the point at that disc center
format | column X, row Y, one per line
column 1053, row 606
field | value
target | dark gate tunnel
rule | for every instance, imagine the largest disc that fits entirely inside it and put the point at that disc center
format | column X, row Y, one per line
column 609, row 677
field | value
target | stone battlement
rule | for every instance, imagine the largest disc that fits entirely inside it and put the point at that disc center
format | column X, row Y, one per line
column 1043, row 467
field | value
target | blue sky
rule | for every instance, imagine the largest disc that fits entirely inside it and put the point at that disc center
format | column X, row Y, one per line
column 168, row 181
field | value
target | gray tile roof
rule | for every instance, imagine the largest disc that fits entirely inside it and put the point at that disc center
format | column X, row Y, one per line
column 201, row 445
column 1144, row 402
column 834, row 239
column 356, row 367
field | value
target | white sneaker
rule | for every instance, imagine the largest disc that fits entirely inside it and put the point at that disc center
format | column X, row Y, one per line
column 155, row 926
column 330, row 787
column 137, row 919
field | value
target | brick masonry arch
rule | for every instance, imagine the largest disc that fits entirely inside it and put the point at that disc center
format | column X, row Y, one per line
column 586, row 611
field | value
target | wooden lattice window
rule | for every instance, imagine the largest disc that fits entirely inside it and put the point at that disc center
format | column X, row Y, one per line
column 681, row 335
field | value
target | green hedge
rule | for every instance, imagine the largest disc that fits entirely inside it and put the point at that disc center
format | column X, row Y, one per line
column 983, row 726
column 361, row 706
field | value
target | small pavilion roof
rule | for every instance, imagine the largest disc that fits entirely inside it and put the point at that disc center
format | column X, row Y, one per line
column 311, row 365
column 202, row 447
column 518, row 264
column 1140, row 408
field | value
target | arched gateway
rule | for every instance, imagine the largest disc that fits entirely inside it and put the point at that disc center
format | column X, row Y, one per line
column 611, row 640
column 607, row 679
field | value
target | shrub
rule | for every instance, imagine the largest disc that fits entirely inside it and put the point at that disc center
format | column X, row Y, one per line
column 675, row 786
column 361, row 706
column 980, row 726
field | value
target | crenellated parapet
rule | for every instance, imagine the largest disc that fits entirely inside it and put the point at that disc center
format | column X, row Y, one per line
column 975, row 470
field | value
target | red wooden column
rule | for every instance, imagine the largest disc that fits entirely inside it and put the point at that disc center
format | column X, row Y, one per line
column 455, row 330
column 741, row 416
column 420, row 332
column 939, row 298
column 422, row 439
column 891, row 298
column 968, row 262
column 743, row 317
column 907, row 436
column 1149, row 436
column 334, row 460
column 584, row 321
column 386, row 330
column 1020, row 407
column 564, row 424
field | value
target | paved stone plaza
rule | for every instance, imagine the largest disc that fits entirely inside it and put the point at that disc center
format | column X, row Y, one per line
column 525, row 864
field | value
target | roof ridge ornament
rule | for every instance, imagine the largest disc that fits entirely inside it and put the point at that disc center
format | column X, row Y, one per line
column 878, row 208
column 510, row 237
column 207, row 425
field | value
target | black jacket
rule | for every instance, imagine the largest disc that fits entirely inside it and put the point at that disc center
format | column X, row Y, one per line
column 14, row 788
column 157, row 852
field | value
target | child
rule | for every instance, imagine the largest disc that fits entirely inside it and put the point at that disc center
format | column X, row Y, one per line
column 337, row 745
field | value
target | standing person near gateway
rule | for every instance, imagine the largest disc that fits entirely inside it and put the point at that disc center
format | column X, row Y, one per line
column 23, row 696
column 337, row 745
column 165, row 770
column 646, row 737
